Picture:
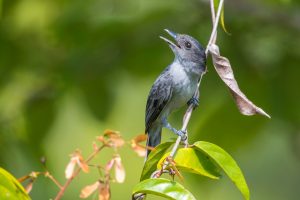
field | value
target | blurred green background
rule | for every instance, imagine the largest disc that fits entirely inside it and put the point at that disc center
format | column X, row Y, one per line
column 71, row 68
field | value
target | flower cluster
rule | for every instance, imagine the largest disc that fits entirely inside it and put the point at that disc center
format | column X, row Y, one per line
column 110, row 139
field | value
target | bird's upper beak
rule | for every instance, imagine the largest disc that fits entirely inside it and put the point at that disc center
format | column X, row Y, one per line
column 171, row 44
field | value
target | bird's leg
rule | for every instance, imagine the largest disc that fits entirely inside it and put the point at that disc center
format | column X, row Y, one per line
column 194, row 101
column 185, row 142
column 180, row 133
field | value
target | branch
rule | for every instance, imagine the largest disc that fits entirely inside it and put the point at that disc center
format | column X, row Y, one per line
column 213, row 17
column 47, row 174
column 212, row 40
column 68, row 182
column 213, row 36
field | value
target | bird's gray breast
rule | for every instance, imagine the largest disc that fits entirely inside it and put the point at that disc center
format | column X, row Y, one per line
column 184, row 86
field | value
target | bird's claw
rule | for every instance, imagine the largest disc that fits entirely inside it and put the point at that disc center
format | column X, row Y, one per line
column 182, row 134
column 139, row 196
column 193, row 101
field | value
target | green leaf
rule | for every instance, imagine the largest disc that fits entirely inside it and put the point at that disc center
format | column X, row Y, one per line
column 164, row 188
column 153, row 158
column 227, row 163
column 10, row 188
column 193, row 161
column 222, row 19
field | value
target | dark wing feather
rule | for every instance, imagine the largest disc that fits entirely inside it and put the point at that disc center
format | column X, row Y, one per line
column 160, row 94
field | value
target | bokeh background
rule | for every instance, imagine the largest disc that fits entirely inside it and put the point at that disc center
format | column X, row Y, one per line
column 70, row 69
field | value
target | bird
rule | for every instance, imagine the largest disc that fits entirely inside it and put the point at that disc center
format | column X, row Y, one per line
column 174, row 87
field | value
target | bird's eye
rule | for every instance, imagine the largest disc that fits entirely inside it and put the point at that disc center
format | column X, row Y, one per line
column 188, row 44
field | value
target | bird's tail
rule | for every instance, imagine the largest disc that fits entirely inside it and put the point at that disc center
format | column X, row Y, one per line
column 154, row 138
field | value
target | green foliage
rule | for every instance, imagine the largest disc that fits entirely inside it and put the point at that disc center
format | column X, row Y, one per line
column 10, row 188
column 164, row 188
column 154, row 158
column 227, row 163
column 202, row 158
column 222, row 18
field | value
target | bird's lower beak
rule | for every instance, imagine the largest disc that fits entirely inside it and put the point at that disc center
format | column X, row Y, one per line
column 174, row 35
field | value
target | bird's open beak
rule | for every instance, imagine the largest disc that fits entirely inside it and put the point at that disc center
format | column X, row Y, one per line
column 174, row 35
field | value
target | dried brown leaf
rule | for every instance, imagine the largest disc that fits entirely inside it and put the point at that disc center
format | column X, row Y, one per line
column 109, row 132
column 89, row 189
column 109, row 165
column 29, row 186
column 95, row 146
column 119, row 169
column 115, row 139
column 104, row 192
column 140, row 138
column 101, row 139
column 140, row 150
column 81, row 163
column 224, row 70
column 70, row 168
column 76, row 158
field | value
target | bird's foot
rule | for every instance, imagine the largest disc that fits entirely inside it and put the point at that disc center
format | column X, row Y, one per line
column 182, row 134
column 193, row 101
column 139, row 196
column 184, row 140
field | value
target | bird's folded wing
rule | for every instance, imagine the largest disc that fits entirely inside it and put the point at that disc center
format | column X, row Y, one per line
column 160, row 94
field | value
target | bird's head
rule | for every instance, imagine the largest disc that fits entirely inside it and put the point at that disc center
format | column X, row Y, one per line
column 186, row 48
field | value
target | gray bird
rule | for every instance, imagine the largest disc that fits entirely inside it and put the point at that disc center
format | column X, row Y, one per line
column 175, row 86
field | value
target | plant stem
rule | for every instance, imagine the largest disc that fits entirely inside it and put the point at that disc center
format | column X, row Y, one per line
column 68, row 182
column 212, row 40
column 213, row 35
column 213, row 17
column 47, row 174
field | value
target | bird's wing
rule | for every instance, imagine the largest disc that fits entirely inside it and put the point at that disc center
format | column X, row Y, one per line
column 160, row 94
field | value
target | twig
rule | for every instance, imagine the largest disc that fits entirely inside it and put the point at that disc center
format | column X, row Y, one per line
column 47, row 174
column 213, row 17
column 34, row 175
column 213, row 35
column 68, row 182
column 188, row 113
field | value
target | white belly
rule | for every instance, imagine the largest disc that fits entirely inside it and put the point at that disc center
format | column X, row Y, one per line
column 183, row 89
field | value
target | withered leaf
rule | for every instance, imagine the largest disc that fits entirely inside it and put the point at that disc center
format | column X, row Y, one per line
column 28, row 187
column 76, row 158
column 108, row 132
column 83, row 165
column 95, row 147
column 115, row 138
column 80, row 161
column 119, row 169
column 70, row 168
column 139, row 149
column 89, row 189
column 104, row 192
column 140, row 138
column 224, row 70
column 109, row 165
